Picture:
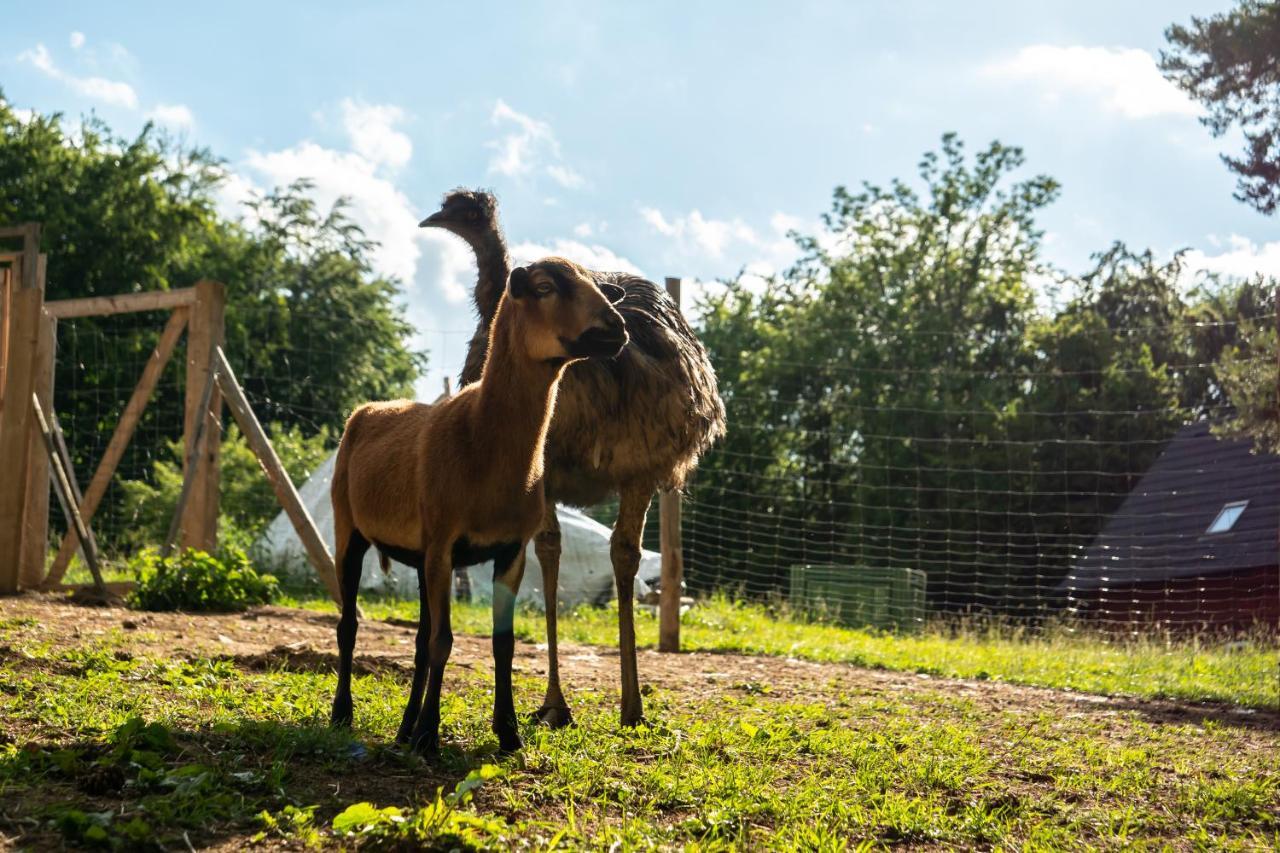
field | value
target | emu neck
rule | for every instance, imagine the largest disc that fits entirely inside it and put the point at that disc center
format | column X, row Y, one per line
column 493, row 266
column 517, row 398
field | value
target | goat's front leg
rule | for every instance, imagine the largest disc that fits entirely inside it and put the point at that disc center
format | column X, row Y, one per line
column 508, row 571
column 420, row 657
column 437, row 582
column 555, row 710
column 624, row 548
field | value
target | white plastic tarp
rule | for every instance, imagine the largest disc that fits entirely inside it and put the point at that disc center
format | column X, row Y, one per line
column 586, row 572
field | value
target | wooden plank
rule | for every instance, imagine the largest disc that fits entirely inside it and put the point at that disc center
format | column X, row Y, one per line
column 204, row 335
column 32, row 271
column 15, row 426
column 317, row 551
column 62, row 485
column 204, row 434
column 6, row 287
column 121, row 437
column 672, row 584
column 35, row 525
column 123, row 303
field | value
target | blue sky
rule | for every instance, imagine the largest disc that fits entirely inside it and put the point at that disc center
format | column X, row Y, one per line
column 673, row 138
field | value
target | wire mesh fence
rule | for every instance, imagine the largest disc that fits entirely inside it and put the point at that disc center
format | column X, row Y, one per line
column 871, row 494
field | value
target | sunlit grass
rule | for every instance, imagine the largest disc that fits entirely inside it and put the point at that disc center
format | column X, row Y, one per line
column 1245, row 672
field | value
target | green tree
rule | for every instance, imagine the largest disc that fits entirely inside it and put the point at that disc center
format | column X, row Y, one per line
column 1231, row 63
column 311, row 330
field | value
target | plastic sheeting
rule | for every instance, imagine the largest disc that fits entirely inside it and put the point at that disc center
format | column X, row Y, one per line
column 586, row 572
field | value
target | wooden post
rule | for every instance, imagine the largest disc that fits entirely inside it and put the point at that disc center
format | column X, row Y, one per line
column 120, row 438
column 672, row 551
column 202, row 437
column 25, row 302
column 317, row 551
column 35, row 527
column 204, row 334
column 66, row 495
column 6, row 276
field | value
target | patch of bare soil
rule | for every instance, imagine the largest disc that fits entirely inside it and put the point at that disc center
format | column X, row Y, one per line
column 268, row 638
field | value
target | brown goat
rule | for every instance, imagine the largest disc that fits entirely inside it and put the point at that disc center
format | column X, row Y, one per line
column 461, row 482
column 626, row 427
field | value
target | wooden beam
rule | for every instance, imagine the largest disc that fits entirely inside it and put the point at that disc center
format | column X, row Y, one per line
column 204, row 335
column 35, row 525
column 124, row 303
column 6, row 287
column 25, row 303
column 317, row 551
column 120, row 439
column 672, row 584
column 62, row 485
column 204, row 435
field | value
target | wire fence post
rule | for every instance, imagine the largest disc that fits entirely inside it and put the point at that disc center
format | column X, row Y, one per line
column 205, row 333
column 672, row 587
column 26, row 300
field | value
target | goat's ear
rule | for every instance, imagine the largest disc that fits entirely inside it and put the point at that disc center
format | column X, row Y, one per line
column 612, row 292
column 519, row 283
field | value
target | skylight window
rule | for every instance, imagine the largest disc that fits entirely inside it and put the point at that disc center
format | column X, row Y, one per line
column 1227, row 517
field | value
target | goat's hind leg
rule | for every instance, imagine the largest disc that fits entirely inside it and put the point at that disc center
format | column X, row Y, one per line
column 420, row 659
column 555, row 710
column 351, row 566
column 624, row 549
column 438, row 587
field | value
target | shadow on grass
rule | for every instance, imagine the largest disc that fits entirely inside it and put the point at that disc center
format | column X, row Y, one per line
column 146, row 785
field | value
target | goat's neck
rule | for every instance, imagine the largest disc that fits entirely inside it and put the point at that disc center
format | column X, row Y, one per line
column 493, row 266
column 517, row 398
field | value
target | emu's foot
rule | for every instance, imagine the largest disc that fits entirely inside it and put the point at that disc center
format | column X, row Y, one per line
column 632, row 717
column 555, row 717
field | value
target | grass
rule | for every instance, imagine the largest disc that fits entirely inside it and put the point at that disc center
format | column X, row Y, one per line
column 106, row 746
column 1239, row 672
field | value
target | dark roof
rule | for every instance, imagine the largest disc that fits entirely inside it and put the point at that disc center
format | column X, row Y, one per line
column 1158, row 533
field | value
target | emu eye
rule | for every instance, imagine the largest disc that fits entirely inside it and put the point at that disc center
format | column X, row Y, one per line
column 472, row 215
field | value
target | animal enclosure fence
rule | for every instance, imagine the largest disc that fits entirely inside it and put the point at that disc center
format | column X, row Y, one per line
column 875, row 493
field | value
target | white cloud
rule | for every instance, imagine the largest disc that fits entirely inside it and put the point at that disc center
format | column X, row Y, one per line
column 593, row 255
column 525, row 148
column 381, row 209
column 565, row 177
column 1124, row 80
column 695, row 232
column 371, row 128
column 77, row 40
column 582, row 229
column 176, row 116
column 1240, row 258
column 95, row 88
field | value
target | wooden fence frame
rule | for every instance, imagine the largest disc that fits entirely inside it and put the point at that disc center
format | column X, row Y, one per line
column 28, row 334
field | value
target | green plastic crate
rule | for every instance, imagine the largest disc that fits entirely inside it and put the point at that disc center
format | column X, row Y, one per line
column 890, row 599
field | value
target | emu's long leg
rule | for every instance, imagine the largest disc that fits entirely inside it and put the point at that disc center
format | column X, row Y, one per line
column 508, row 571
column 438, row 581
column 421, row 649
column 555, row 710
column 624, row 548
column 351, row 565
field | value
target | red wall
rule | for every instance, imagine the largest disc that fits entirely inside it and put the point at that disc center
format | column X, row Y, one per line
column 1233, row 602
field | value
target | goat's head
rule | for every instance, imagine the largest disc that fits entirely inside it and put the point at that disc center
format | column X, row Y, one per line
column 468, row 213
column 565, row 314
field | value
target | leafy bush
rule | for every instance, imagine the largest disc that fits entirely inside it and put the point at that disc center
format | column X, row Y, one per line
column 197, row 581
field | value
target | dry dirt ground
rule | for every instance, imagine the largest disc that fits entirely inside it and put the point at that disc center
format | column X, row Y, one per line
column 270, row 638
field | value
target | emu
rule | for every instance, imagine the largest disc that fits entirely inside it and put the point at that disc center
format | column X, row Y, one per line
column 626, row 427
column 461, row 482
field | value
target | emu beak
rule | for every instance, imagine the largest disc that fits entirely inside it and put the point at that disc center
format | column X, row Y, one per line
column 435, row 220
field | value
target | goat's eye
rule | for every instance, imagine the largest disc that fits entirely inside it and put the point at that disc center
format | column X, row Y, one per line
column 543, row 289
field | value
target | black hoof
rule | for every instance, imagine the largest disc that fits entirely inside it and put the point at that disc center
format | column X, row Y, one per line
column 555, row 718
column 427, row 747
column 340, row 717
column 403, row 736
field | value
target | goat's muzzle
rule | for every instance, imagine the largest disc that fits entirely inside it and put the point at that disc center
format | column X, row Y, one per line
column 599, row 341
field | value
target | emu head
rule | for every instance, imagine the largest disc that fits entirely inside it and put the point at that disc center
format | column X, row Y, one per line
column 565, row 315
column 471, row 214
